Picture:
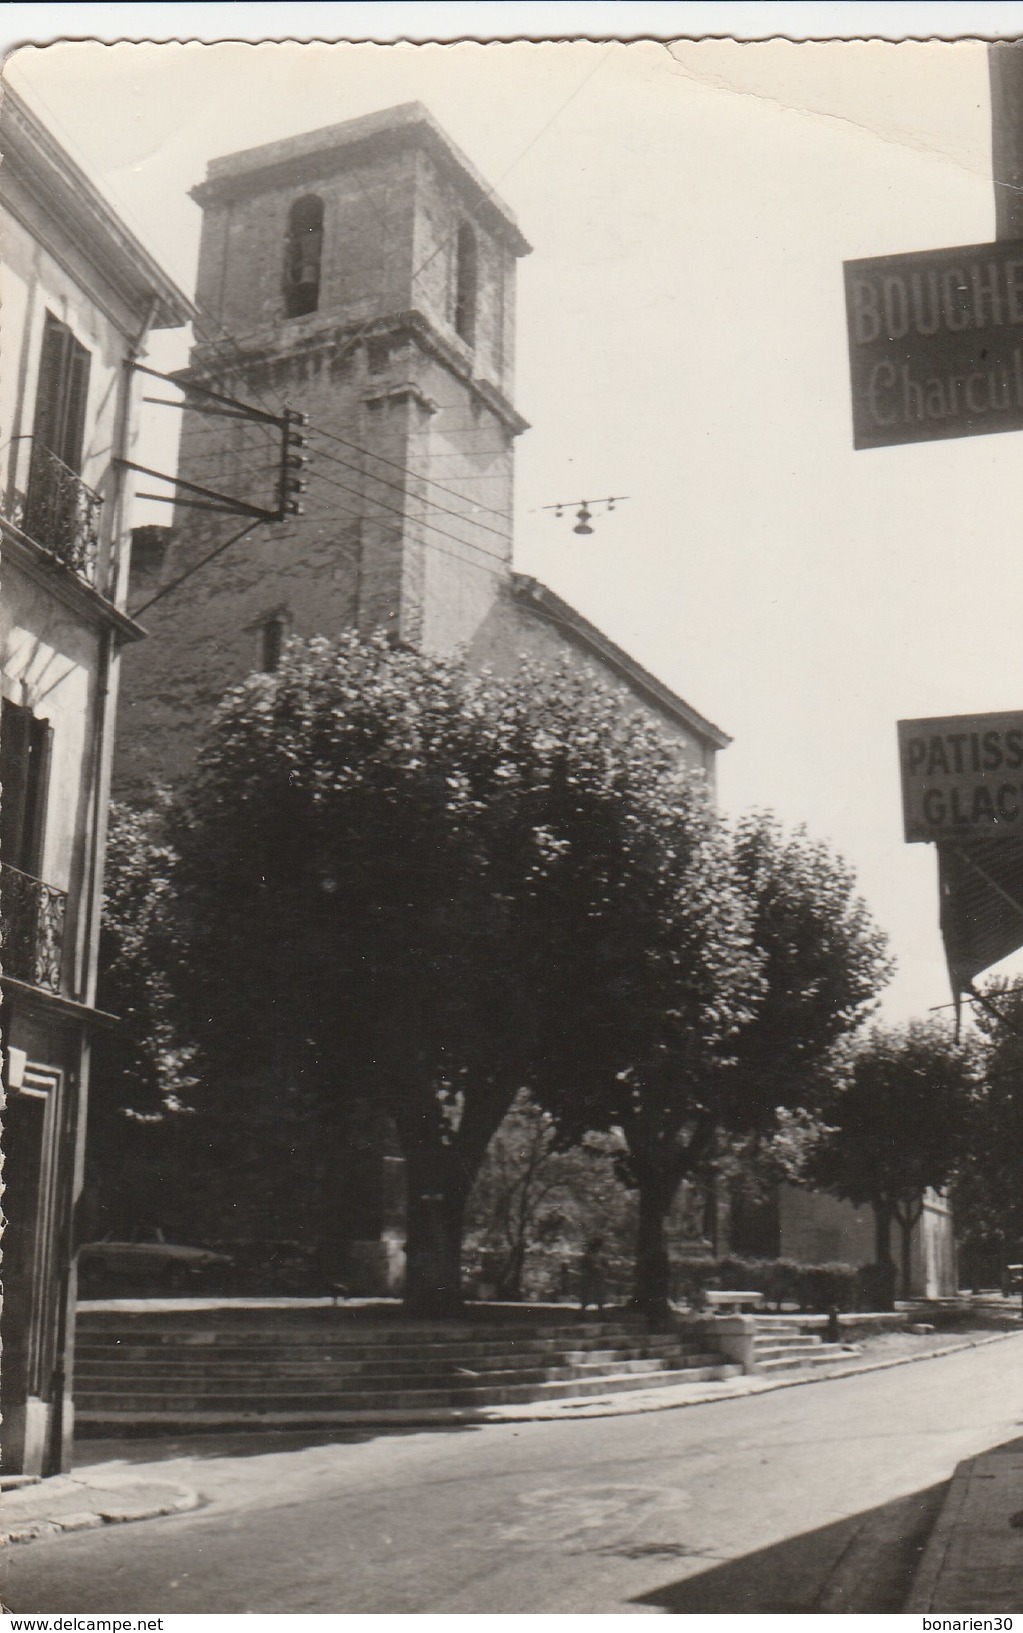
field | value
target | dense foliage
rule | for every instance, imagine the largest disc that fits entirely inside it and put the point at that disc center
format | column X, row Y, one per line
column 535, row 1205
column 739, row 968
column 986, row 1194
column 824, row 963
column 142, row 1067
column 899, row 1125
column 399, row 894
column 398, row 882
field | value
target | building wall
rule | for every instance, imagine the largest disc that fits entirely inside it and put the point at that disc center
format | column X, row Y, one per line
column 50, row 663
column 34, row 281
column 369, row 552
column 1006, row 66
column 438, row 212
column 819, row 1229
column 935, row 1267
column 513, row 631
column 67, row 255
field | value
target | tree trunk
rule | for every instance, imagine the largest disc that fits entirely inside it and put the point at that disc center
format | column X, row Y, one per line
column 884, row 1266
column 907, row 1221
column 440, row 1177
column 510, row 1285
column 433, row 1247
column 656, row 1192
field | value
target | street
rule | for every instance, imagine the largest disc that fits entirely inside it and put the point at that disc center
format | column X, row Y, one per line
column 809, row 1498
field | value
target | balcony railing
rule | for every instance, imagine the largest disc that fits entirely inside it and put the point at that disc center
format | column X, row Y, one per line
column 60, row 512
column 32, row 916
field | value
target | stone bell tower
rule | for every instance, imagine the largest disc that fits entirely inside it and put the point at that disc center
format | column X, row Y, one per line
column 364, row 274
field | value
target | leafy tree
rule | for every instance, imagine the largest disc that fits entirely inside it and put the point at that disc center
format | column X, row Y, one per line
column 740, row 970
column 138, row 947
column 986, row 1196
column 142, row 1068
column 753, row 1165
column 660, row 962
column 401, row 891
column 824, row 963
column 531, row 1193
column 899, row 1125
column 386, row 867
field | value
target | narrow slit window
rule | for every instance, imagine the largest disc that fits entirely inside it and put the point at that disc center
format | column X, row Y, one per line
column 303, row 250
column 466, row 277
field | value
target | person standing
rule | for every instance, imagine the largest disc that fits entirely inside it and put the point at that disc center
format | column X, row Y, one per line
column 592, row 1288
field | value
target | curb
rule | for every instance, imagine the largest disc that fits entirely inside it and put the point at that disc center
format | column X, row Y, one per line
column 180, row 1500
column 972, row 1556
column 925, row 1578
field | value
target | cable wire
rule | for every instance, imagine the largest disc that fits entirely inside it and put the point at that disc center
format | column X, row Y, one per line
column 393, row 510
column 173, row 585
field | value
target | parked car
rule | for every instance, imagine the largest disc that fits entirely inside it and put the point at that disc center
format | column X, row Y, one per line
column 167, row 1265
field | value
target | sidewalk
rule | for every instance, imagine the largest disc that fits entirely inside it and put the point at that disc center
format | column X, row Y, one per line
column 973, row 1561
column 73, row 1502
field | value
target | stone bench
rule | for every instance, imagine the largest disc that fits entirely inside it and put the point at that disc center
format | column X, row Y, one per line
column 721, row 1298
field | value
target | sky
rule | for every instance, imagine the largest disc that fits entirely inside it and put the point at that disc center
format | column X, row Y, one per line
column 681, row 340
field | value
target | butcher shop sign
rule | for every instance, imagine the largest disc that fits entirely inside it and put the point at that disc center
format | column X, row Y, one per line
column 936, row 344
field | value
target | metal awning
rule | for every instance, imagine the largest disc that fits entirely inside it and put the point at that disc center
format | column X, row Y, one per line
column 981, row 892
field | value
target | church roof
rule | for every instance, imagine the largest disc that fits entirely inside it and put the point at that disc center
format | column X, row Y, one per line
column 546, row 604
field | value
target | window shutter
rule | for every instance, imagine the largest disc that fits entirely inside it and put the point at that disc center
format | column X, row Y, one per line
column 62, row 394
column 15, row 753
column 36, row 794
column 75, row 399
column 52, row 362
column 25, row 755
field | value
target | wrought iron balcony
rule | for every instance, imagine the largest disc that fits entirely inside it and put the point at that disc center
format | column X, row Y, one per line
column 60, row 512
column 32, row 916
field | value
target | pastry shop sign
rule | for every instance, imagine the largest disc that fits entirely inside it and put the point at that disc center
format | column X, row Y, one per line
column 936, row 344
column 962, row 777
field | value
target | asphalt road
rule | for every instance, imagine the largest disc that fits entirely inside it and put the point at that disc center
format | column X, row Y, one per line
column 811, row 1498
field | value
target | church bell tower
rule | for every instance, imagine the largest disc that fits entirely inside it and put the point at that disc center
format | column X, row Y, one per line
column 365, row 276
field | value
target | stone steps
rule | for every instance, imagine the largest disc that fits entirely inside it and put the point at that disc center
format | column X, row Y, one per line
column 777, row 1348
column 352, row 1359
column 108, row 1361
column 271, row 1326
column 259, row 1370
column 351, row 1376
column 300, row 1344
column 796, row 1363
column 93, row 1407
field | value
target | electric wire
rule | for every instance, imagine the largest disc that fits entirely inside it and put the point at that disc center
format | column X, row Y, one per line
column 174, row 584
column 346, row 442
column 392, row 510
column 383, row 481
